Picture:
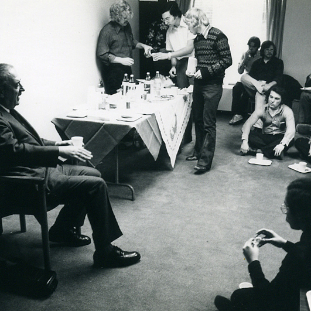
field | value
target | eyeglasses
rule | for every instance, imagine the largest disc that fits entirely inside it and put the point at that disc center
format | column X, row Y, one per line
column 284, row 208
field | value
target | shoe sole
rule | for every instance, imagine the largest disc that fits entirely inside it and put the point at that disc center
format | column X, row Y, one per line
column 116, row 264
column 69, row 244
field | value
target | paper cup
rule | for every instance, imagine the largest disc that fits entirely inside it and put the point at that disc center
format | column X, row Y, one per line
column 192, row 64
column 77, row 141
column 174, row 90
column 302, row 165
column 259, row 157
column 245, row 285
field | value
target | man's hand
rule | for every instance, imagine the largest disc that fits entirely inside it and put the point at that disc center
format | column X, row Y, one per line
column 64, row 143
column 244, row 147
column 266, row 87
column 147, row 50
column 159, row 56
column 172, row 72
column 247, row 54
column 278, row 149
column 189, row 74
column 78, row 153
column 270, row 237
column 251, row 251
column 198, row 74
column 260, row 86
column 125, row 61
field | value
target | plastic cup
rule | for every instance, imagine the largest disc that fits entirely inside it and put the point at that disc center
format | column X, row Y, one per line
column 77, row 141
column 303, row 166
column 259, row 157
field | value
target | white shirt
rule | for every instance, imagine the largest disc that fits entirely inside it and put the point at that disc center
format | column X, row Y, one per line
column 178, row 37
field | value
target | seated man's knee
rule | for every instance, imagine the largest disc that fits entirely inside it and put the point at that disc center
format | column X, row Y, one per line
column 240, row 298
column 89, row 171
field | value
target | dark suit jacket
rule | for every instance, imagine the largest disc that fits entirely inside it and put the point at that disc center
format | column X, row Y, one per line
column 22, row 151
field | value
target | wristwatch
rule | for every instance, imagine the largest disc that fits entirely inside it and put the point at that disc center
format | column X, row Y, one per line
column 283, row 144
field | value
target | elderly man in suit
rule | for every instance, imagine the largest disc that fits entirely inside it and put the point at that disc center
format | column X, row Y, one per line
column 80, row 188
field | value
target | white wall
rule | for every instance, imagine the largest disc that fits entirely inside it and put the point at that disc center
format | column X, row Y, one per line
column 52, row 45
column 297, row 39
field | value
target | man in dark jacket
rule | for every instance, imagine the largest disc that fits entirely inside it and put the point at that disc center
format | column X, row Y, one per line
column 265, row 72
column 80, row 188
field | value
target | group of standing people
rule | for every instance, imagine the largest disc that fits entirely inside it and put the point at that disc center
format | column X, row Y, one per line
column 186, row 35
column 271, row 127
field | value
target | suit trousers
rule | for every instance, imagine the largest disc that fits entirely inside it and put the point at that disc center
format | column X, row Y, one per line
column 83, row 191
column 247, row 299
column 205, row 103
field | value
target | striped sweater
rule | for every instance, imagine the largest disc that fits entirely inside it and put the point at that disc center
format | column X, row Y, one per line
column 213, row 56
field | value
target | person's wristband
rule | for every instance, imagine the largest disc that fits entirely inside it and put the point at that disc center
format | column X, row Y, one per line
column 169, row 55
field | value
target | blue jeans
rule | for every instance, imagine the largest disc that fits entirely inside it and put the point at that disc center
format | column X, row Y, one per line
column 205, row 103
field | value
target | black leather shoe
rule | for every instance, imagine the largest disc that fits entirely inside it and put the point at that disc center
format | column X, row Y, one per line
column 68, row 238
column 222, row 303
column 116, row 258
column 200, row 169
column 192, row 158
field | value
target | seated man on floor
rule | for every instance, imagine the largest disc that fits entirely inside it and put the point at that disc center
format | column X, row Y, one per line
column 80, row 188
column 264, row 73
column 303, row 142
column 239, row 94
column 278, row 130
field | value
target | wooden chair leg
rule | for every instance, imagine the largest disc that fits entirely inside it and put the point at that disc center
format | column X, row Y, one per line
column 46, row 245
column 22, row 220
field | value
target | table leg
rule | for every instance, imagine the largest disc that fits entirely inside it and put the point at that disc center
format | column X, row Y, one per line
column 117, row 183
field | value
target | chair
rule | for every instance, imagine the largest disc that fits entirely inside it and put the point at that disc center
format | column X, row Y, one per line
column 26, row 196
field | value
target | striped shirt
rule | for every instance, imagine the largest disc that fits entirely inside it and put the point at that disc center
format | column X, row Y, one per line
column 213, row 55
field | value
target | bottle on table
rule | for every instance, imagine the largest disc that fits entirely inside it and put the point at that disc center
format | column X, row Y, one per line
column 157, row 84
column 147, row 84
column 125, row 83
column 131, row 83
column 102, row 95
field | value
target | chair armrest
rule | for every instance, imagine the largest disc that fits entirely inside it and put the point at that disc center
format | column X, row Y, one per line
column 23, row 179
